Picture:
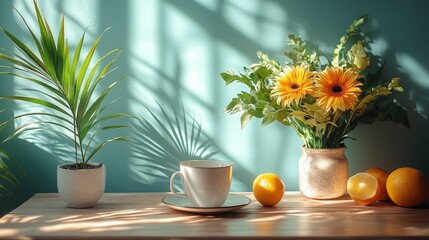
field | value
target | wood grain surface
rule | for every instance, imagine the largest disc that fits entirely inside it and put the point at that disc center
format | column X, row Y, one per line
column 143, row 216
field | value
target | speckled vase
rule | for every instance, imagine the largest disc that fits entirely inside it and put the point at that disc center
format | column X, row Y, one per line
column 323, row 173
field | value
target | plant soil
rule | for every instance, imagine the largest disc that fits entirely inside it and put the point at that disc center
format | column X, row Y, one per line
column 74, row 166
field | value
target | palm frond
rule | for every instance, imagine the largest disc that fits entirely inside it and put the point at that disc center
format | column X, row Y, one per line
column 7, row 178
column 88, row 89
column 101, row 145
column 64, row 84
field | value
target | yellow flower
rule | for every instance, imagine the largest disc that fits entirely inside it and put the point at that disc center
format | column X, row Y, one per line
column 292, row 85
column 338, row 89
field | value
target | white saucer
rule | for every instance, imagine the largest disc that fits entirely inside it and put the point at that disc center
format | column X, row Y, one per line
column 181, row 203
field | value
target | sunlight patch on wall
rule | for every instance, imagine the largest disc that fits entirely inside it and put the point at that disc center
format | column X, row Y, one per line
column 420, row 76
column 379, row 46
column 212, row 5
column 26, row 9
column 272, row 33
column 192, row 53
column 195, row 76
column 243, row 16
column 143, row 48
column 80, row 15
column 418, row 73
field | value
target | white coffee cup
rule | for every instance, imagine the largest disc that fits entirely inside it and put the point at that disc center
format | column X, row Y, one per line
column 206, row 183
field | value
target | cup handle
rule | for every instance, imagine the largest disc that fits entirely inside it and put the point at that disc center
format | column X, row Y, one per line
column 172, row 183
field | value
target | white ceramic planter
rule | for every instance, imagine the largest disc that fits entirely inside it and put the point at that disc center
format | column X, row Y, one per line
column 323, row 173
column 81, row 188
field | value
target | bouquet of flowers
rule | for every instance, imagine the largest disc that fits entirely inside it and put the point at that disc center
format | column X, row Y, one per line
column 322, row 97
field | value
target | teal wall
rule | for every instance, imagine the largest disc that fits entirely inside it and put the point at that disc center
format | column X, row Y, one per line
column 174, row 50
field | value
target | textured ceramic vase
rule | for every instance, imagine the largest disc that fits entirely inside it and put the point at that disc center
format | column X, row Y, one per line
column 323, row 173
column 81, row 188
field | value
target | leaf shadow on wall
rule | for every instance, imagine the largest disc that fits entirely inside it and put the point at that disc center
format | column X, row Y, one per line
column 162, row 79
column 165, row 138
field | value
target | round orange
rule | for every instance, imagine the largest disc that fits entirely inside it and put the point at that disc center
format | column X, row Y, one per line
column 363, row 188
column 407, row 187
column 268, row 189
column 381, row 176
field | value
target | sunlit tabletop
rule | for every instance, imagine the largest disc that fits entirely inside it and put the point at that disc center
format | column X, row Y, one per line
column 144, row 216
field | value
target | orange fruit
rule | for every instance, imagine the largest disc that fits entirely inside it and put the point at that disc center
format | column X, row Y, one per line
column 363, row 188
column 381, row 176
column 407, row 187
column 268, row 189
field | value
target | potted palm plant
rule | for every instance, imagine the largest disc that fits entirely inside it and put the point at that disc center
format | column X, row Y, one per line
column 64, row 85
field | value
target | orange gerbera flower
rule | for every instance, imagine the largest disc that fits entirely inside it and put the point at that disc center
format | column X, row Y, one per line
column 338, row 89
column 292, row 84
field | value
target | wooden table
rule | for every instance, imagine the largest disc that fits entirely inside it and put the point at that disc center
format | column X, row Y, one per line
column 143, row 216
